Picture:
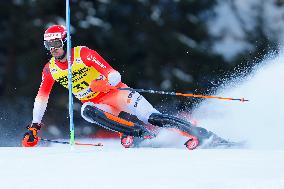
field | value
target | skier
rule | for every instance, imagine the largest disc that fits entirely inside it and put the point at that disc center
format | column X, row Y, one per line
column 96, row 84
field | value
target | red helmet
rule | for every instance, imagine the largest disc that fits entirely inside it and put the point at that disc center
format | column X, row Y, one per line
column 55, row 32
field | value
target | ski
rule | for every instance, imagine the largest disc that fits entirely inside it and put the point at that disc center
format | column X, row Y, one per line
column 223, row 145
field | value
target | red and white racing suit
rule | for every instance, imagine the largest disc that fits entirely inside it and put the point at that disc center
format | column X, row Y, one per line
column 88, row 65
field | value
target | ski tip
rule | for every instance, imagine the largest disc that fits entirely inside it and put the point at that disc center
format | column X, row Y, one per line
column 225, row 145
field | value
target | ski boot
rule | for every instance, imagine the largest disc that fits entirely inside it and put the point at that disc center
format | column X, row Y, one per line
column 127, row 141
column 132, row 142
column 192, row 143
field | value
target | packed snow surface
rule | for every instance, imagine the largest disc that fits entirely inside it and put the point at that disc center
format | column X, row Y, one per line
column 165, row 168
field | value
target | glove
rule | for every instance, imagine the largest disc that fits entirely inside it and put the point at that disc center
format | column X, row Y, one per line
column 101, row 86
column 30, row 138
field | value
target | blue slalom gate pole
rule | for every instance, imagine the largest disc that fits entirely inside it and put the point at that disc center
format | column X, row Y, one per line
column 72, row 132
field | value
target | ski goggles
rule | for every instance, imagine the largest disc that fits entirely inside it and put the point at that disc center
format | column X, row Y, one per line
column 56, row 44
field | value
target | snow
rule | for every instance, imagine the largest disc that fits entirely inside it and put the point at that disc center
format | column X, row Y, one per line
column 259, row 121
column 142, row 168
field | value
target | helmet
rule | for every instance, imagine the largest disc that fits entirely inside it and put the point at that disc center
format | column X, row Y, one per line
column 56, row 37
column 55, row 32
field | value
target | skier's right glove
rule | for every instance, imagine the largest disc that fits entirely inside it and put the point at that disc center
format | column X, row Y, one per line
column 30, row 138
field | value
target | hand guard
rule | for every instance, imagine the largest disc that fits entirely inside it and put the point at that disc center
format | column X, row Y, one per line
column 30, row 138
column 101, row 86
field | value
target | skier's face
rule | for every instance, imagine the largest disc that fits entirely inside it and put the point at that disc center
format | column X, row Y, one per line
column 55, row 48
column 57, row 53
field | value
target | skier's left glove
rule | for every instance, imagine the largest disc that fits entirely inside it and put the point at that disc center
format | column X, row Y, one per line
column 113, row 79
column 101, row 86
column 30, row 138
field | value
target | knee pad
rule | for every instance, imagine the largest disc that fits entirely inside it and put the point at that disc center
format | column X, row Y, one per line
column 108, row 121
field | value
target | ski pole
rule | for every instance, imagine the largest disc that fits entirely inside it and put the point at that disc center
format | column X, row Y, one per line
column 181, row 94
column 76, row 143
